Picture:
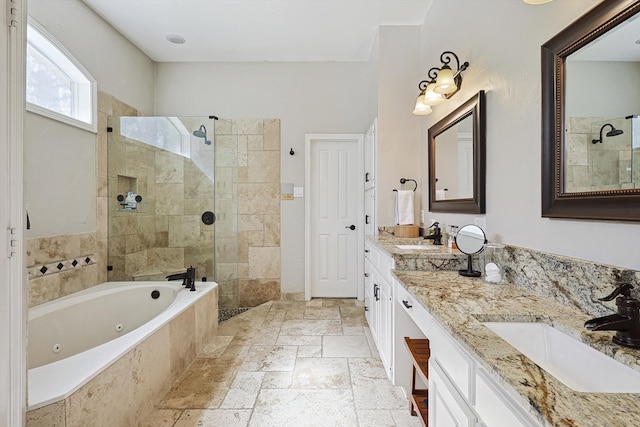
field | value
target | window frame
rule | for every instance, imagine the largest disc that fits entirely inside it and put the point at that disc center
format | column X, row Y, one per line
column 62, row 54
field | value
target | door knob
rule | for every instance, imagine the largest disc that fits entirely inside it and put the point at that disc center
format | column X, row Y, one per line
column 351, row 227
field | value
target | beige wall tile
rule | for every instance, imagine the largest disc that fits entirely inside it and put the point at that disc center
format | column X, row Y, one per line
column 248, row 126
column 272, row 230
column 264, row 263
column 255, row 292
column 169, row 200
column 49, row 416
column 255, row 143
column 264, row 166
column 272, row 134
column 169, row 168
column 259, row 199
column 182, row 341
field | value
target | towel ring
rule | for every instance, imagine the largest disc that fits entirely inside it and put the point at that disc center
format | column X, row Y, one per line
column 404, row 180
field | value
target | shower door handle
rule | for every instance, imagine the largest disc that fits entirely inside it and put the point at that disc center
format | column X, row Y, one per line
column 351, row 227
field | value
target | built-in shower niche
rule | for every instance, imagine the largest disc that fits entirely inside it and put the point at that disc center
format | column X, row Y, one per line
column 128, row 198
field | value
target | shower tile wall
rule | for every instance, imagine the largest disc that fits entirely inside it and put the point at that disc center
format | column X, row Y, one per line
column 248, row 211
column 247, row 226
column 592, row 167
column 165, row 233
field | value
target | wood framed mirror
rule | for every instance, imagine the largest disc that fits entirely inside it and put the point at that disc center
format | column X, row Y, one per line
column 457, row 151
column 590, row 108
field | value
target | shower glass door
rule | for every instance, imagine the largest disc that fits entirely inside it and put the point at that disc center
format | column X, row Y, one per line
column 161, row 197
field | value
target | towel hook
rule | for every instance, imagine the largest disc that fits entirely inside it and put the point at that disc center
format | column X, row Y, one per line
column 404, row 180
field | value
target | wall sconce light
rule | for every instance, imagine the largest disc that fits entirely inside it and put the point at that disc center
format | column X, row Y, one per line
column 443, row 83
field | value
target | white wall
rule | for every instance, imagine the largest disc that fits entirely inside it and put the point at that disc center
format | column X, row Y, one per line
column 587, row 95
column 306, row 97
column 120, row 68
column 398, row 129
column 60, row 160
column 502, row 40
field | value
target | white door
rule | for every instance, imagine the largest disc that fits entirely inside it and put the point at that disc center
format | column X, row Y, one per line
column 334, row 216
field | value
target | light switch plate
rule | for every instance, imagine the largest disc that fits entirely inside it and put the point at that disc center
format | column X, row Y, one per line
column 298, row 191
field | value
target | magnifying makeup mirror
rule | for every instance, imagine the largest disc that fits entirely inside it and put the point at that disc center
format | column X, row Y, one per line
column 470, row 240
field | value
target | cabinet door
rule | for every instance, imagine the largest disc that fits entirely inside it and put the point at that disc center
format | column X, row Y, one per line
column 368, row 290
column 384, row 325
column 446, row 407
column 370, row 147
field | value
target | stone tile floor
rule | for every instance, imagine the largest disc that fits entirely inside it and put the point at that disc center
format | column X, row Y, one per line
column 286, row 363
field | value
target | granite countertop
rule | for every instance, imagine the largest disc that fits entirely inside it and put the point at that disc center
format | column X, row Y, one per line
column 432, row 258
column 460, row 304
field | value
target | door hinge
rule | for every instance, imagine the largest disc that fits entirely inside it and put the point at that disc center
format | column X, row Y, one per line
column 12, row 242
column 12, row 13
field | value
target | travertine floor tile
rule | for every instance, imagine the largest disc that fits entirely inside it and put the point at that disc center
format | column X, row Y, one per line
column 286, row 363
column 270, row 358
column 311, row 327
column 321, row 373
column 345, row 346
column 322, row 313
column 162, row 418
column 309, row 408
column 215, row 417
column 375, row 418
column 277, row 380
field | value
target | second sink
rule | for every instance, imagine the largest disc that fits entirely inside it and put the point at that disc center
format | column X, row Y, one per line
column 416, row 247
column 575, row 364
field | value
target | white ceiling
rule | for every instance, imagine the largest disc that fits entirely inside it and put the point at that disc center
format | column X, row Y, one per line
column 257, row 30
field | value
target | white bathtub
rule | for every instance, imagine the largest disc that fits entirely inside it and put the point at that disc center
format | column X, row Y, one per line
column 74, row 338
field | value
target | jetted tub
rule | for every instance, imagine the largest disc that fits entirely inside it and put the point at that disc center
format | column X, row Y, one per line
column 73, row 339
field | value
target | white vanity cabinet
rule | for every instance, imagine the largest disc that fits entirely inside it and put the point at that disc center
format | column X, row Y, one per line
column 379, row 301
column 461, row 392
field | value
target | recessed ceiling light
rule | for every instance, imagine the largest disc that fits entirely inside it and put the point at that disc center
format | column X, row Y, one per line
column 537, row 1
column 176, row 39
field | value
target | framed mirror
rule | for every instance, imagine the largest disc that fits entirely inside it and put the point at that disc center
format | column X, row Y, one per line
column 457, row 151
column 590, row 108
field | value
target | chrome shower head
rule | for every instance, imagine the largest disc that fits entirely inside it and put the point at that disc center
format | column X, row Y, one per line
column 612, row 132
column 202, row 133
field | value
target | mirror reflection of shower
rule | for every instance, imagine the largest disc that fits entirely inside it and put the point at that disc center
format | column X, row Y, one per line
column 612, row 132
column 201, row 132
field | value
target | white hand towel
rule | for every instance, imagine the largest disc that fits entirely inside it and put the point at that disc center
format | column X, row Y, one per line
column 404, row 207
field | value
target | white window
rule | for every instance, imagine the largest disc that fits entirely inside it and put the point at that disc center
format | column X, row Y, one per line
column 57, row 85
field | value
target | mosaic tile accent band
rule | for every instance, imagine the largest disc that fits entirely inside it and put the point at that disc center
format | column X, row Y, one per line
column 61, row 266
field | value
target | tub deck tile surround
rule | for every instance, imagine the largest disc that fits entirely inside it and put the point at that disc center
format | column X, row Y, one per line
column 458, row 302
column 126, row 391
column 318, row 354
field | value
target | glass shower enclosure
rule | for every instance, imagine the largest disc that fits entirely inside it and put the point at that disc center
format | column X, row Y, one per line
column 161, row 197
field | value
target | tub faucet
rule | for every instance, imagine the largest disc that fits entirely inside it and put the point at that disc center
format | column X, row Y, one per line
column 437, row 234
column 626, row 322
column 188, row 278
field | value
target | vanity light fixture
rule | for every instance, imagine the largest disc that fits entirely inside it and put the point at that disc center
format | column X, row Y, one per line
column 443, row 83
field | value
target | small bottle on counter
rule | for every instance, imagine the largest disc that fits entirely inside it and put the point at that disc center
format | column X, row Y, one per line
column 453, row 231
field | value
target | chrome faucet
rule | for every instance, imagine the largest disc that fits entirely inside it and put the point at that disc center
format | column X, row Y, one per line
column 626, row 321
column 437, row 234
column 188, row 278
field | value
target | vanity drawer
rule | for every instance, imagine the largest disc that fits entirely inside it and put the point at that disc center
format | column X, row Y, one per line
column 416, row 312
column 496, row 408
column 457, row 364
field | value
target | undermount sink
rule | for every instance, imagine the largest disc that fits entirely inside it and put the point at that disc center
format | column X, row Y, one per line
column 575, row 364
column 416, row 247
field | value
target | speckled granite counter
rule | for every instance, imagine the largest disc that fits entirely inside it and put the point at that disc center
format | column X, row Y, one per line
column 460, row 304
column 432, row 258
